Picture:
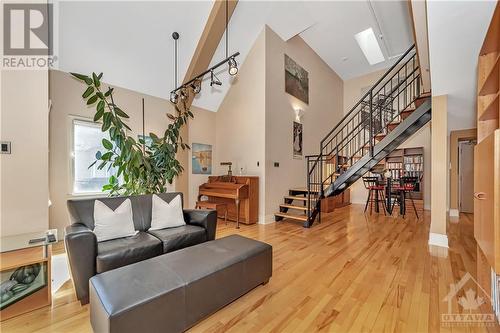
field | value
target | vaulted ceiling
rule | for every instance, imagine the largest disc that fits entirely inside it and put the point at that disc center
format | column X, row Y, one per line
column 131, row 41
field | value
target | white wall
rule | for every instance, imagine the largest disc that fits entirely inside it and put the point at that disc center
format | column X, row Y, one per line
column 422, row 138
column 320, row 115
column 24, row 122
column 201, row 130
column 240, row 135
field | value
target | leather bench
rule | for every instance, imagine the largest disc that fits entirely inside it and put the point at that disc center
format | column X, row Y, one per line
column 174, row 291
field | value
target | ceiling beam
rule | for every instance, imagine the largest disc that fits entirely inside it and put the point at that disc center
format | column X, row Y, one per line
column 209, row 40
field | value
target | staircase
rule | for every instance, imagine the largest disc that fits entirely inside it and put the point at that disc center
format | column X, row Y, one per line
column 387, row 115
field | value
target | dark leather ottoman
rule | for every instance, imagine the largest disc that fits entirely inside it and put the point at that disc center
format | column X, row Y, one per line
column 172, row 292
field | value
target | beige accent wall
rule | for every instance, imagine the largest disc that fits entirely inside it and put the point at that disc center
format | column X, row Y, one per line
column 240, row 136
column 439, row 155
column 67, row 102
column 201, row 130
column 24, row 122
column 319, row 116
column 353, row 90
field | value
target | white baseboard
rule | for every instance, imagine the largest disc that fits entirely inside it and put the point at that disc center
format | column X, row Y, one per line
column 454, row 213
column 267, row 219
column 438, row 240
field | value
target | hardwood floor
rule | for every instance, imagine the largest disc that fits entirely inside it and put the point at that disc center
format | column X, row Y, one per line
column 353, row 272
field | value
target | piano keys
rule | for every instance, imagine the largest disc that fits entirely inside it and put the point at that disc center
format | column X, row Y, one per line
column 239, row 193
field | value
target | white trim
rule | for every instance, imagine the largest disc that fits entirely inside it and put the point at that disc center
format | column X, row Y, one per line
column 267, row 219
column 454, row 213
column 438, row 239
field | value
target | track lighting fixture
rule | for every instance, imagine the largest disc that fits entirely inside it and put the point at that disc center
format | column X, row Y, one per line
column 233, row 67
column 196, row 86
column 184, row 94
column 214, row 79
column 174, row 97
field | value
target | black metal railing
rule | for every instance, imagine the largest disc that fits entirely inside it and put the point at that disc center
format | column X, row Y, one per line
column 382, row 106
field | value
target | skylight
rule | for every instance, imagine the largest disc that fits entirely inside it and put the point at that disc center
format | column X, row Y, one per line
column 369, row 45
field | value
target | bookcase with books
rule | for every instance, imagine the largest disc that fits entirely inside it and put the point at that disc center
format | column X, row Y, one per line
column 408, row 162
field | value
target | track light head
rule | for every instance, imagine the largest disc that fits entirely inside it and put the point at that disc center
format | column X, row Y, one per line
column 174, row 97
column 184, row 94
column 214, row 80
column 196, row 86
column 233, row 67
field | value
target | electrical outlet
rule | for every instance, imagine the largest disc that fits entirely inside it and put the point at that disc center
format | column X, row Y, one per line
column 276, row 164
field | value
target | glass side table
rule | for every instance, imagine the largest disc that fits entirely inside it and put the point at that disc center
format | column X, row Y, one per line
column 25, row 277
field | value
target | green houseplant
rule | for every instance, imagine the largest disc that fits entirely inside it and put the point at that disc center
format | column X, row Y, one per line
column 141, row 168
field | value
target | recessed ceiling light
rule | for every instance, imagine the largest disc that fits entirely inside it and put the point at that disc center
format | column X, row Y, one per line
column 344, row 59
column 369, row 45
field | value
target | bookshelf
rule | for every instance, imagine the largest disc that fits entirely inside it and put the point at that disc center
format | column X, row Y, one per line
column 408, row 162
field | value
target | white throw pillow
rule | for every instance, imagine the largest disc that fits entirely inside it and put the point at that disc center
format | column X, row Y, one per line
column 166, row 215
column 111, row 224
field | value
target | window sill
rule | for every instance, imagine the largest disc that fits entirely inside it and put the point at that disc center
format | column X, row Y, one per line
column 87, row 195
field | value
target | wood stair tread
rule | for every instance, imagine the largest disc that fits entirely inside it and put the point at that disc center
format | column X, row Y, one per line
column 302, row 189
column 294, row 197
column 293, row 207
column 291, row 216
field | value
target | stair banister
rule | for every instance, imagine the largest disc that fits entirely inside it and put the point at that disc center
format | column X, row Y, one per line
column 368, row 92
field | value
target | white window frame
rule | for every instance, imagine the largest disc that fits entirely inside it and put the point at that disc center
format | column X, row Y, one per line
column 71, row 156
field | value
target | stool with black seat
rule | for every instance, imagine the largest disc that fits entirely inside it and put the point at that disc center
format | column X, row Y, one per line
column 375, row 193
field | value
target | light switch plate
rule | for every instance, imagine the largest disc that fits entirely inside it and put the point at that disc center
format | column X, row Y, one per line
column 5, row 147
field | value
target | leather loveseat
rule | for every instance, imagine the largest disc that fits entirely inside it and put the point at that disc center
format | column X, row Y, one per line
column 87, row 257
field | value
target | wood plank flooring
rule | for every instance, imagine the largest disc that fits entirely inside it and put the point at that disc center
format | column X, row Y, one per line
column 351, row 273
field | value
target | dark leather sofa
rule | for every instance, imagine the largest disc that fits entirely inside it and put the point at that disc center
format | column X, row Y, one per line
column 87, row 257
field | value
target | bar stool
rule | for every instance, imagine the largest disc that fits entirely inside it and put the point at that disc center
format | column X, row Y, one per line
column 213, row 205
column 375, row 194
column 407, row 185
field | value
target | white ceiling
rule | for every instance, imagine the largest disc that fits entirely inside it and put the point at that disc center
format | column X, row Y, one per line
column 131, row 41
column 327, row 26
column 456, row 33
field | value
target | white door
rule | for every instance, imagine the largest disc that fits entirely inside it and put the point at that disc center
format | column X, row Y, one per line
column 466, row 176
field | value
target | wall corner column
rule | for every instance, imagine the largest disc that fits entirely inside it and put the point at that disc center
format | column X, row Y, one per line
column 439, row 171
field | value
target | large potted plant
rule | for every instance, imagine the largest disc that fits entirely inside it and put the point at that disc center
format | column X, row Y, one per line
column 141, row 168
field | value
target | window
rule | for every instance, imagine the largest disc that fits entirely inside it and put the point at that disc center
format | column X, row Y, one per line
column 87, row 138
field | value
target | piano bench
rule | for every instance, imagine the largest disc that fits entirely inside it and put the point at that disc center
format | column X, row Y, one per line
column 219, row 207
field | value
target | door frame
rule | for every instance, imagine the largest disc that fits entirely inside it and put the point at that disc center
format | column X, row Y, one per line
column 455, row 138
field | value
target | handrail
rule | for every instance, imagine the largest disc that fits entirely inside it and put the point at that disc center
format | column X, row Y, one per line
column 368, row 92
column 358, row 130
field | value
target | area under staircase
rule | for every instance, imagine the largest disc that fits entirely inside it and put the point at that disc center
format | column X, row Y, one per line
column 389, row 113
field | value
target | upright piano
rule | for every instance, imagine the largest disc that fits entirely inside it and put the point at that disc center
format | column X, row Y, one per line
column 239, row 193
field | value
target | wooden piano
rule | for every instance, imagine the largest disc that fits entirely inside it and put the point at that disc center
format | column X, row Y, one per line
column 239, row 193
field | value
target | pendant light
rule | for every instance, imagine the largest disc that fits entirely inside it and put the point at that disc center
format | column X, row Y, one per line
column 233, row 66
column 174, row 95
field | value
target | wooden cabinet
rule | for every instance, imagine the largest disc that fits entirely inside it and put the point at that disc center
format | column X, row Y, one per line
column 329, row 204
column 487, row 198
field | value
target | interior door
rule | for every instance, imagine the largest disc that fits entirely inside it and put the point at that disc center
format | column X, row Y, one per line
column 466, row 176
column 484, row 183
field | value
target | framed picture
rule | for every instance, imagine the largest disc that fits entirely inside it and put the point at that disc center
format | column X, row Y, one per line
column 297, row 140
column 201, row 159
column 296, row 80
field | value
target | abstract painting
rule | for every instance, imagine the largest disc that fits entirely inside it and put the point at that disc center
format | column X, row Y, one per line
column 202, row 159
column 297, row 140
column 296, row 80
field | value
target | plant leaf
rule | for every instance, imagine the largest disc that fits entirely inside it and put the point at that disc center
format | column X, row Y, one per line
column 92, row 100
column 80, row 76
column 120, row 113
column 88, row 92
column 96, row 80
column 98, row 115
column 107, row 144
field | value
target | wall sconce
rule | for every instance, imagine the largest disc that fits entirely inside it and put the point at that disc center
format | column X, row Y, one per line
column 298, row 115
